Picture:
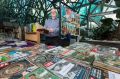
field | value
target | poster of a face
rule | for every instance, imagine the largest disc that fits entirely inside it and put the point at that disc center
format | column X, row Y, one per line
column 70, row 22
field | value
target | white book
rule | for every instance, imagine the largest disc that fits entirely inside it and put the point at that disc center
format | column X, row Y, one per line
column 113, row 75
column 62, row 67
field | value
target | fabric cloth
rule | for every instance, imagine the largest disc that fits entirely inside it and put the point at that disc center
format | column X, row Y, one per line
column 54, row 41
column 12, row 44
column 54, row 24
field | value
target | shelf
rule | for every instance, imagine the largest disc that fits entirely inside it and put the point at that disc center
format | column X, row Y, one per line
column 30, row 32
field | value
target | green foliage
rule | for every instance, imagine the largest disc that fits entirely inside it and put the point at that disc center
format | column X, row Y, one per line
column 25, row 11
column 104, row 31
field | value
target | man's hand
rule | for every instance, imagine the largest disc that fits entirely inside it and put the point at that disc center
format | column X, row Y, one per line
column 51, row 30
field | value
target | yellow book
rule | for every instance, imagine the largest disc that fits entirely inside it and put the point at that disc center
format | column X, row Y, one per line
column 33, row 27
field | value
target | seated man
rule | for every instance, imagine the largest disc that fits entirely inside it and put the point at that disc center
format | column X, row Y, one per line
column 52, row 25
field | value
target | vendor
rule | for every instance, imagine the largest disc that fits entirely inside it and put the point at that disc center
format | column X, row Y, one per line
column 52, row 25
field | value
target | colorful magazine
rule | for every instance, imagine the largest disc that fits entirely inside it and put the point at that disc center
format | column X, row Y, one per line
column 45, row 59
column 88, row 59
column 96, row 74
column 67, row 70
column 14, row 68
column 61, row 68
column 59, row 50
column 41, row 73
column 81, row 47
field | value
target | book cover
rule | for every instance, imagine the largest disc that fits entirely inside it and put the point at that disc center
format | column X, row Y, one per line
column 68, row 70
column 96, row 74
column 41, row 73
column 45, row 59
column 81, row 46
column 14, row 68
column 57, row 50
column 61, row 68
column 83, row 57
column 16, row 54
column 73, row 72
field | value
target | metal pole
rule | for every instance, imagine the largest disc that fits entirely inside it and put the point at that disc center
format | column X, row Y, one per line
column 100, row 14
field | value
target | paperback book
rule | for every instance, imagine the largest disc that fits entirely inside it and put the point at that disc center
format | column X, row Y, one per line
column 60, row 51
column 41, row 73
column 14, row 68
column 88, row 59
column 96, row 74
column 81, row 47
column 68, row 70
column 45, row 59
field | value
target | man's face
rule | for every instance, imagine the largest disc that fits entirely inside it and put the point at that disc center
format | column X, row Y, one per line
column 69, row 11
column 53, row 13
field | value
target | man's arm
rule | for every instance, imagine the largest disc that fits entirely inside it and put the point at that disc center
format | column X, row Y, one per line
column 46, row 25
column 56, row 29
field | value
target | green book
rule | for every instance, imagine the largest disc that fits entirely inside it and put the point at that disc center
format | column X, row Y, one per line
column 41, row 73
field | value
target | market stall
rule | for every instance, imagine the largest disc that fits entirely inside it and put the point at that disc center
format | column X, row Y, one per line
column 81, row 60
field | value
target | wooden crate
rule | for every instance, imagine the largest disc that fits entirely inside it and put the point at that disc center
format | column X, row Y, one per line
column 32, row 36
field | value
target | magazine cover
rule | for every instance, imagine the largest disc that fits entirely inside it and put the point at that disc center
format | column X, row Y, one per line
column 60, row 51
column 67, row 53
column 45, row 59
column 61, row 68
column 106, row 49
column 81, row 47
column 17, row 54
column 96, row 74
column 83, row 57
column 14, row 68
column 80, row 74
column 4, row 58
column 67, row 70
column 57, row 50
column 107, row 56
column 75, row 70
column 41, row 73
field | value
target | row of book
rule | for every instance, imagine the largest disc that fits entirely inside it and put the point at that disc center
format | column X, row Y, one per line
column 47, row 66
column 72, row 62
column 53, row 69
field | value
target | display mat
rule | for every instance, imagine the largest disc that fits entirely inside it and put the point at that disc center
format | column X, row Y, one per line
column 14, row 68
